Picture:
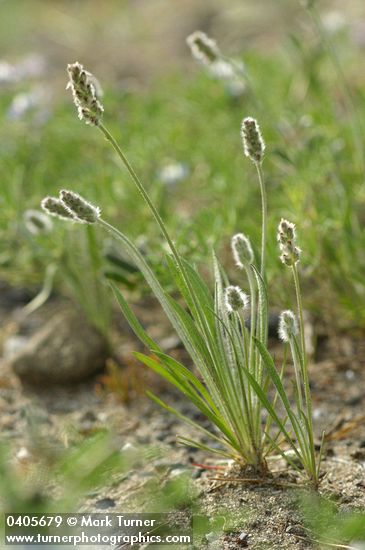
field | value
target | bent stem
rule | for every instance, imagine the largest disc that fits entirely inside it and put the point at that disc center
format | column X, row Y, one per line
column 141, row 189
column 155, row 214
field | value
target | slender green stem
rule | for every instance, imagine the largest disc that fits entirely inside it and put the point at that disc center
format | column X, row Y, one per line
column 297, row 370
column 263, row 336
column 302, row 342
column 251, row 282
column 300, row 311
column 270, row 419
column 44, row 293
column 307, row 393
column 244, row 77
column 254, row 366
column 264, row 219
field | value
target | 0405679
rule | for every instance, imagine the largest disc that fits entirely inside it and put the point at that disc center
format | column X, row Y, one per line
column 24, row 520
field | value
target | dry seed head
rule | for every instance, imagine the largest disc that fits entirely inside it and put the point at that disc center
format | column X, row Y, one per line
column 82, row 210
column 288, row 325
column 242, row 250
column 253, row 144
column 54, row 207
column 290, row 253
column 286, row 232
column 203, row 48
column 37, row 222
column 223, row 70
column 291, row 256
column 235, row 299
column 82, row 85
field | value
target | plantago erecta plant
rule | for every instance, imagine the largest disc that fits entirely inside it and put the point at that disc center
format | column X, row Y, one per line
column 254, row 149
column 234, row 369
column 300, row 419
column 90, row 293
column 37, row 222
column 205, row 50
column 288, row 328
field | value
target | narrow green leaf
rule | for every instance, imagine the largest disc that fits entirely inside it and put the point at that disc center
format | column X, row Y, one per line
column 183, row 371
column 262, row 306
column 266, row 403
column 270, row 366
column 120, row 262
column 133, row 321
column 284, row 455
column 192, row 443
column 185, row 419
column 196, row 399
column 202, row 293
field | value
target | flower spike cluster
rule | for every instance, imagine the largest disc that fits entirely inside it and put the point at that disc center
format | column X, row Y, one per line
column 288, row 325
column 290, row 253
column 83, row 211
column 235, row 299
column 82, row 85
column 242, row 250
column 253, row 143
column 55, row 207
column 203, row 48
column 70, row 206
column 206, row 51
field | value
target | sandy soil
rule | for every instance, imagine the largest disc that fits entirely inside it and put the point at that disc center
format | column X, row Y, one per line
column 262, row 513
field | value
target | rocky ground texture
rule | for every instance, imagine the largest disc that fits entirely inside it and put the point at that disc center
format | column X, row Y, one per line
column 259, row 513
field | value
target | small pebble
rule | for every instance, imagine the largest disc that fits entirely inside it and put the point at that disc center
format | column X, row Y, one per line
column 65, row 350
column 23, row 454
column 128, row 447
column 89, row 416
column 354, row 400
column 211, row 537
column 242, row 539
column 105, row 503
column 13, row 345
column 177, row 472
column 295, row 530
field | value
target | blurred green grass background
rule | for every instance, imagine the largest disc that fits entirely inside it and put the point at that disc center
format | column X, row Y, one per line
column 165, row 109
